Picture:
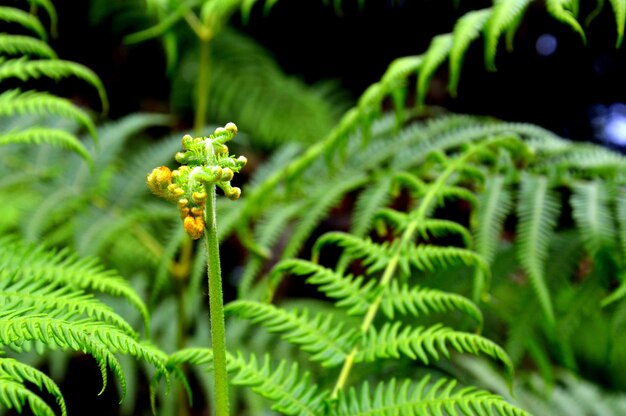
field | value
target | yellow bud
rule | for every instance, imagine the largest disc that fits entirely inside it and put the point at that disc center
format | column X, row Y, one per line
column 194, row 226
column 231, row 127
column 199, row 197
column 234, row 193
column 197, row 211
column 242, row 160
column 159, row 180
column 227, row 175
column 182, row 203
column 219, row 131
column 183, row 211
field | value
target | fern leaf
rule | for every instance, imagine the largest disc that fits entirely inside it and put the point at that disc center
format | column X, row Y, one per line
column 58, row 303
column 369, row 201
column 14, row 371
column 562, row 11
column 55, row 69
column 538, row 212
column 441, row 228
column 25, row 45
column 504, row 13
column 488, row 218
column 14, row 395
column 590, row 204
column 423, row 398
column 293, row 393
column 425, row 344
column 350, row 292
column 54, row 137
column 22, row 261
column 52, row 14
column 31, row 102
column 466, row 30
column 419, row 301
column 27, row 20
column 327, row 340
column 437, row 52
column 619, row 9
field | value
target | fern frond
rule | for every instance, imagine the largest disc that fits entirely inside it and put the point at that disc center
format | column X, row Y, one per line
column 14, row 371
column 419, row 301
column 437, row 52
column 504, row 13
column 619, row 8
column 423, row 398
column 590, row 204
column 55, row 69
column 350, row 292
column 22, row 261
column 27, row 20
column 538, row 210
column 292, row 392
column 25, row 45
column 53, row 137
column 466, row 30
column 51, row 11
column 488, row 218
column 368, row 203
column 562, row 11
column 55, row 302
column 440, row 228
column 327, row 340
column 426, row 344
column 14, row 395
column 32, row 102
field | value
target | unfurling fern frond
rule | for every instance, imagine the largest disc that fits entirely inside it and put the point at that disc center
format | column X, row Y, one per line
column 425, row 397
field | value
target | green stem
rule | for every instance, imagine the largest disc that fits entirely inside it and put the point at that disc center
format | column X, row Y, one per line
column 216, row 305
column 202, row 89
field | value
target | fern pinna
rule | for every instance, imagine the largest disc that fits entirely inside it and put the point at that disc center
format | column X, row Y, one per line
column 373, row 286
column 46, row 303
column 28, row 57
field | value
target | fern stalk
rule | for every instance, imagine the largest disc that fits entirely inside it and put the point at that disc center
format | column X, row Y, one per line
column 216, row 307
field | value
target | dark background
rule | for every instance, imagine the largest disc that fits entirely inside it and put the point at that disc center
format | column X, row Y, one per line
column 570, row 92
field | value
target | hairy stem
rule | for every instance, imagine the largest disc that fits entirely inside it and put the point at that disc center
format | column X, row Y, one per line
column 216, row 305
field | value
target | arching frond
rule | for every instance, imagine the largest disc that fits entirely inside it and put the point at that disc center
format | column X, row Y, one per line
column 50, row 11
column 54, row 137
column 350, row 292
column 292, row 392
column 466, row 30
column 21, row 261
column 619, row 8
column 15, row 395
column 24, row 45
column 31, row 102
column 440, row 397
column 562, row 10
column 504, row 14
column 326, row 339
column 369, row 201
column 417, row 301
column 56, row 69
column 394, row 340
column 27, row 20
column 434, row 56
column 538, row 210
column 17, row 373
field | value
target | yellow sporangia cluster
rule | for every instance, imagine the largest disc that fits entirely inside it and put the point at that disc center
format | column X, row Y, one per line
column 206, row 162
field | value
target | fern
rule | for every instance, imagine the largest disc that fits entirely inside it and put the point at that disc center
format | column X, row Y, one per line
column 563, row 11
column 25, row 45
column 26, row 20
column 37, row 135
column 440, row 397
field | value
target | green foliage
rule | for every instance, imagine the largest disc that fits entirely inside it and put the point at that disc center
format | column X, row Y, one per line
column 47, row 301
